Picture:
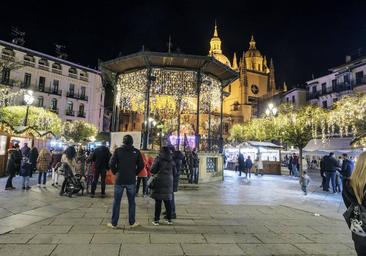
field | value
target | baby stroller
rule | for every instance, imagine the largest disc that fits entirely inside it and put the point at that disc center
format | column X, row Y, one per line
column 72, row 183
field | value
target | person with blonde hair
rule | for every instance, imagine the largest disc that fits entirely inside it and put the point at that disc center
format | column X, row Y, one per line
column 354, row 194
column 44, row 161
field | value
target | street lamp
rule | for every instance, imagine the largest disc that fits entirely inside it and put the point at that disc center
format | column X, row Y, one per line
column 271, row 110
column 28, row 98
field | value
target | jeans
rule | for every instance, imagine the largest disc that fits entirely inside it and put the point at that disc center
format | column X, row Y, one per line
column 295, row 172
column 331, row 176
column 25, row 181
column 40, row 177
column 118, row 192
column 144, row 185
column 248, row 170
column 168, row 209
column 338, row 183
column 305, row 189
column 102, row 173
column 172, row 204
column 195, row 174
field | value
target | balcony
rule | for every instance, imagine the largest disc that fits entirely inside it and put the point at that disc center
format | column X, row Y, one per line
column 339, row 88
column 29, row 63
column 44, row 67
column 77, row 96
column 54, row 110
column 84, row 78
column 9, row 82
column 7, row 57
column 70, row 112
column 73, row 75
column 81, row 114
column 360, row 81
column 53, row 91
column 57, row 71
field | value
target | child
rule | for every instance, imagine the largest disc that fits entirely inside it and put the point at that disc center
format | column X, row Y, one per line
column 26, row 171
column 304, row 182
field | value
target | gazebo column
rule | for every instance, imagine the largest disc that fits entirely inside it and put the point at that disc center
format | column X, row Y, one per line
column 221, row 139
column 147, row 111
column 178, row 129
column 209, row 126
column 197, row 134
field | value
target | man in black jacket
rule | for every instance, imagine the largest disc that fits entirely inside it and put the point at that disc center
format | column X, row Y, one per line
column 125, row 163
column 330, row 167
column 100, row 157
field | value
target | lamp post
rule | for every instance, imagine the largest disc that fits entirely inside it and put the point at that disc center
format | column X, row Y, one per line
column 28, row 98
column 271, row 110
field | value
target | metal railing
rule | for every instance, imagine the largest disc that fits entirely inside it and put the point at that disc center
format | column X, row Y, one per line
column 70, row 112
column 76, row 96
column 81, row 114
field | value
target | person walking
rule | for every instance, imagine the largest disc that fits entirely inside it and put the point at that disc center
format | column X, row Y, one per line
column 195, row 162
column 304, row 182
column 13, row 165
column 259, row 165
column 126, row 162
column 241, row 162
column 289, row 165
column 330, row 167
column 354, row 193
column 164, row 168
column 33, row 156
column 26, row 171
column 248, row 167
column 100, row 157
column 142, row 176
column 44, row 161
column 323, row 174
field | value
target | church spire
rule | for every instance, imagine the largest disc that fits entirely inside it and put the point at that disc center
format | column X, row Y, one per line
column 235, row 62
column 215, row 31
column 215, row 43
column 252, row 43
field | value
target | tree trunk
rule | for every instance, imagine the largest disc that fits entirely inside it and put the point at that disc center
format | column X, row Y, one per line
column 300, row 162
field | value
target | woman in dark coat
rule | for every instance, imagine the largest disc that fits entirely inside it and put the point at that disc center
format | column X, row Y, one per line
column 164, row 168
column 33, row 156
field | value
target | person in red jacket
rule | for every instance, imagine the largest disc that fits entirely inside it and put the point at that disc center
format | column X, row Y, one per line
column 142, row 176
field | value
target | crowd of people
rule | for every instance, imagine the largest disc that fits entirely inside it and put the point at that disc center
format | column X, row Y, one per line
column 246, row 165
column 129, row 166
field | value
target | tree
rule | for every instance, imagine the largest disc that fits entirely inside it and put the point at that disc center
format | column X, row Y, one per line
column 79, row 131
column 38, row 118
column 5, row 93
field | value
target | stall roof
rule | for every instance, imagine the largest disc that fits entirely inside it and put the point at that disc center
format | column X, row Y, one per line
column 263, row 144
column 145, row 59
column 331, row 144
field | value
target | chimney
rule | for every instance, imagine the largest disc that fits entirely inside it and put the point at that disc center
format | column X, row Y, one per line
column 348, row 58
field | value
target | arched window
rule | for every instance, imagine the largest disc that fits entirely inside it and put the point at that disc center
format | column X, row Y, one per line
column 56, row 66
column 83, row 75
column 43, row 62
column 70, row 106
column 29, row 60
column 81, row 108
column 73, row 72
column 40, row 101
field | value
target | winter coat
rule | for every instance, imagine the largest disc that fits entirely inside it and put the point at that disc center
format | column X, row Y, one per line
column 26, row 169
column 44, row 161
column 178, row 159
column 101, row 157
column 144, row 171
column 33, row 156
column 260, row 165
column 25, row 151
column 330, row 164
column 71, row 163
column 11, row 165
column 80, row 161
column 241, row 162
column 56, row 158
column 248, row 163
column 164, row 167
column 126, row 162
column 348, row 198
column 347, row 168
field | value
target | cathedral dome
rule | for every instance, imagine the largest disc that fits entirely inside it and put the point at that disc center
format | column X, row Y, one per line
column 222, row 58
column 252, row 51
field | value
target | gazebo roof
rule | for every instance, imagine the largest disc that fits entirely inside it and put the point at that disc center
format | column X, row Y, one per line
column 146, row 59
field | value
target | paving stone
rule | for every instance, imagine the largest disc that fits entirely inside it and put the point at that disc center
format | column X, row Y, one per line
column 231, row 238
column 15, row 238
column 241, row 229
column 19, row 220
column 151, row 250
column 121, row 238
column 102, row 229
column 27, row 249
column 274, row 238
column 292, row 229
column 199, row 229
column 77, row 221
column 177, row 238
column 328, row 238
column 326, row 249
column 62, row 239
column 43, row 229
column 87, row 249
column 211, row 249
column 270, row 249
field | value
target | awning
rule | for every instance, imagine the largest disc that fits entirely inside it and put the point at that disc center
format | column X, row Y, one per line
column 340, row 145
column 264, row 144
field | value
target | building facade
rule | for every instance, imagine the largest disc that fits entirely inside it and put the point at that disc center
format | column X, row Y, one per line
column 256, row 80
column 295, row 96
column 342, row 80
column 72, row 91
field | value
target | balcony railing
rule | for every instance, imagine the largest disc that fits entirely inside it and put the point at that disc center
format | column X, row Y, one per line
column 339, row 88
column 73, row 75
column 7, row 57
column 51, row 90
column 84, row 78
column 43, row 67
column 57, row 71
column 54, row 110
column 81, row 114
column 70, row 112
column 28, row 63
column 76, row 96
column 9, row 82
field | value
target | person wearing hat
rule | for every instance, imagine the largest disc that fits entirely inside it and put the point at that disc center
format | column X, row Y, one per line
column 126, row 162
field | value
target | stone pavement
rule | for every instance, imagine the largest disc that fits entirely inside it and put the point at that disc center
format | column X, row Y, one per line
column 267, row 215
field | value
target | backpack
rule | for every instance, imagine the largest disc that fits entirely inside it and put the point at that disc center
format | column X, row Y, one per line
column 355, row 217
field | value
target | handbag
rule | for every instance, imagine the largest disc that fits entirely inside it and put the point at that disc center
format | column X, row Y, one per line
column 355, row 217
column 151, row 182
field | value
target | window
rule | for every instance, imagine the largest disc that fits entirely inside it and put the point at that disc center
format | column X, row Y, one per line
column 334, row 85
column 324, row 88
column 82, row 93
column 56, row 66
column 71, row 89
column 55, row 86
column 230, row 88
column 72, row 71
column 42, row 83
column 236, row 106
column 40, row 101
column 293, row 99
column 359, row 77
column 43, row 62
column 259, row 67
column 70, row 106
column 81, row 109
column 313, row 89
column 325, row 104
column 27, row 79
column 54, row 104
column 287, row 99
column 346, row 79
column 5, row 78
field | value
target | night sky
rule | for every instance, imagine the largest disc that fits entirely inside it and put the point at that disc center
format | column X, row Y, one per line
column 302, row 38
